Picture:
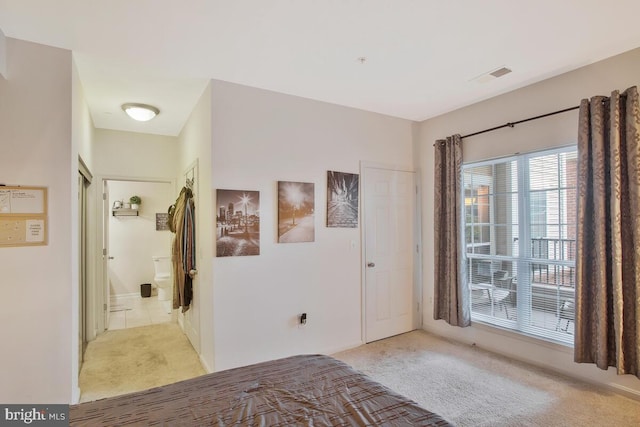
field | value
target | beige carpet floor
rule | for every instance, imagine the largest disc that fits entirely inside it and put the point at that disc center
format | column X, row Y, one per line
column 472, row 387
column 466, row 385
column 127, row 360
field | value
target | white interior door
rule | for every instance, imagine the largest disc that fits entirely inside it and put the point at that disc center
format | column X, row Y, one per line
column 390, row 247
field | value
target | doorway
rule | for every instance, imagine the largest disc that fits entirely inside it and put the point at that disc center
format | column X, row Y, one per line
column 391, row 246
column 131, row 239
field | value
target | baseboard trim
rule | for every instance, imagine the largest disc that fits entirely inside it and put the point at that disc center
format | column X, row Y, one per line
column 75, row 395
column 343, row 348
column 614, row 388
column 620, row 389
column 131, row 295
column 205, row 365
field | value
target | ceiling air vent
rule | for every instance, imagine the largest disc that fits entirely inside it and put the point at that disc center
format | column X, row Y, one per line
column 491, row 75
column 500, row 72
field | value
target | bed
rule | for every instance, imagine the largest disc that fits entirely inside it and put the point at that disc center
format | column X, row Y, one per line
column 308, row 390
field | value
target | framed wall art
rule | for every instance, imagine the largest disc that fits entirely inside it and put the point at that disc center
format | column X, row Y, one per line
column 296, row 212
column 237, row 223
column 342, row 199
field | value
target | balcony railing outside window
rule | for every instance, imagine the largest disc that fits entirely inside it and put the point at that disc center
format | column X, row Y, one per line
column 519, row 233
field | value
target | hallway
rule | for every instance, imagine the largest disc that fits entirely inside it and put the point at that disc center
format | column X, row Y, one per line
column 127, row 360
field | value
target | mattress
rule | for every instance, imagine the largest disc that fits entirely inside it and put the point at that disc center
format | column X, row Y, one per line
column 305, row 390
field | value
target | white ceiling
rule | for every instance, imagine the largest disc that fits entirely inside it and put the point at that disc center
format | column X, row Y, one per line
column 421, row 55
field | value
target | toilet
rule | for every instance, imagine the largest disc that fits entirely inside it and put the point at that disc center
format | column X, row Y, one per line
column 164, row 280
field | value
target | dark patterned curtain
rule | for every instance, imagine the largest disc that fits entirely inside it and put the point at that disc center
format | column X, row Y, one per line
column 608, row 253
column 451, row 301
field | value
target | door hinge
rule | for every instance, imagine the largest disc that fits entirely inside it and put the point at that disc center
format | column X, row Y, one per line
column 104, row 307
column 104, row 251
column 417, row 249
column 104, row 196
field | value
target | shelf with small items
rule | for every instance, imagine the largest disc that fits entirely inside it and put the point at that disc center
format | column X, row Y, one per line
column 124, row 212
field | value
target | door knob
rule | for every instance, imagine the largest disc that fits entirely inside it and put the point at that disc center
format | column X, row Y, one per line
column 110, row 257
column 371, row 264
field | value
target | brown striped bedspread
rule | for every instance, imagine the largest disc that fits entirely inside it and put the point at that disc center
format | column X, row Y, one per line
column 309, row 390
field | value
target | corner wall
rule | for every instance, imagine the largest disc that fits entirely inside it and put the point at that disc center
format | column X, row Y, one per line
column 195, row 144
column 260, row 137
column 82, row 131
column 36, row 283
column 566, row 90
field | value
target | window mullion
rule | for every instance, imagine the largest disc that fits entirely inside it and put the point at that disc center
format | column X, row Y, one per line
column 523, row 289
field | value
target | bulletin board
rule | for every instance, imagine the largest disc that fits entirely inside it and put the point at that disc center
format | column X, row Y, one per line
column 23, row 216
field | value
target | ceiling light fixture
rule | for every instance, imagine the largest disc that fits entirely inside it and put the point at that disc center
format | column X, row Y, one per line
column 140, row 112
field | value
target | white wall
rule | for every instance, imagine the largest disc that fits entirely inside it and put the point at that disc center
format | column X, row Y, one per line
column 195, row 145
column 619, row 72
column 134, row 240
column 261, row 137
column 134, row 155
column 36, row 283
column 82, row 123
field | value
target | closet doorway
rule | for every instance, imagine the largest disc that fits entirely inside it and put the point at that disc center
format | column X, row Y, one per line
column 84, row 181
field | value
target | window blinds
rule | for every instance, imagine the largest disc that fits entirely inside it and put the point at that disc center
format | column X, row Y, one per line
column 519, row 239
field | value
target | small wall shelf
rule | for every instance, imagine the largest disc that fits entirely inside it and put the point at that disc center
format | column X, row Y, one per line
column 124, row 212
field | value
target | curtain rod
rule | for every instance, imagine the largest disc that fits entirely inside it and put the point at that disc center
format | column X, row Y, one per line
column 512, row 124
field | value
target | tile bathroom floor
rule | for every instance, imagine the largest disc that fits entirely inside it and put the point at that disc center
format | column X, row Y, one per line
column 133, row 311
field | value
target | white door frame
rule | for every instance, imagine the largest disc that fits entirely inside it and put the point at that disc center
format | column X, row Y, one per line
column 96, row 308
column 417, row 236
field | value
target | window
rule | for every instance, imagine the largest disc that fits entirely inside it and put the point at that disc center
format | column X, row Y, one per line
column 519, row 233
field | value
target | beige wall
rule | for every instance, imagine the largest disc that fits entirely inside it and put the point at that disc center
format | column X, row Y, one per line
column 195, row 146
column 35, row 284
column 3, row 55
column 134, row 155
column 566, row 90
column 261, row 137
column 82, row 124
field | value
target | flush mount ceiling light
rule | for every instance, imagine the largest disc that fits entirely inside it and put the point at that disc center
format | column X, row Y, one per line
column 140, row 112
